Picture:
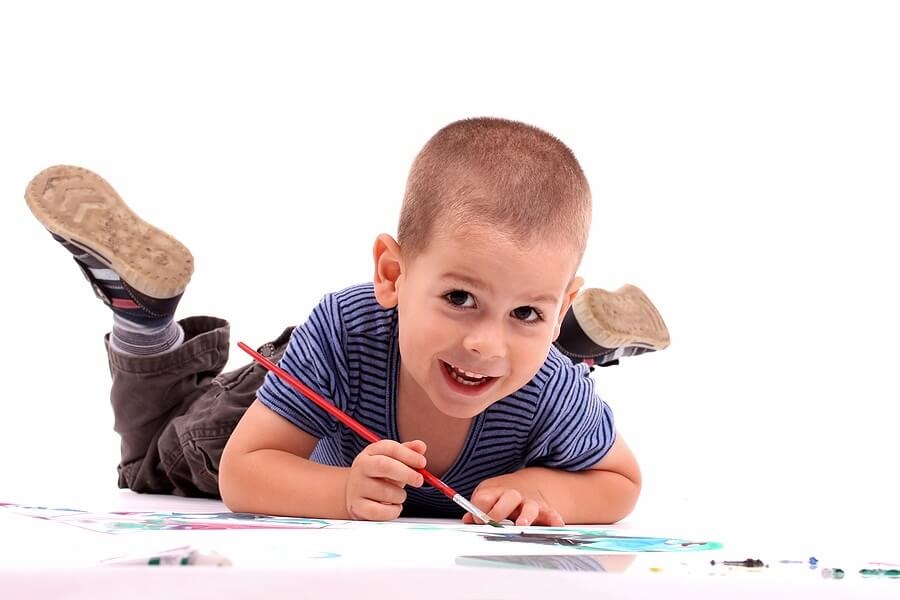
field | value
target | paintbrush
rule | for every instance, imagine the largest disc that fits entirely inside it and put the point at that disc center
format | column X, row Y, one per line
column 363, row 431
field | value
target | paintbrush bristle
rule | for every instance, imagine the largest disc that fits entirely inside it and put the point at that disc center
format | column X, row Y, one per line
column 475, row 511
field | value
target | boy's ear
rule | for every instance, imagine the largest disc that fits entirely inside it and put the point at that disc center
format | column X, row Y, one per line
column 568, row 299
column 388, row 268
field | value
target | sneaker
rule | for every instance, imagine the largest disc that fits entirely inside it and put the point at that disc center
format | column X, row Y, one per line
column 136, row 269
column 601, row 327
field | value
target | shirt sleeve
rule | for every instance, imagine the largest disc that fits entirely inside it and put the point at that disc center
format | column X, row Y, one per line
column 574, row 428
column 314, row 355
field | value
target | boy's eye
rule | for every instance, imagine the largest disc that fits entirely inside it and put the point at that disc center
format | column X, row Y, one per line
column 528, row 314
column 460, row 298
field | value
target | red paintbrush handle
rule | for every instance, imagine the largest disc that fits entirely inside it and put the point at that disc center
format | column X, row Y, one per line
column 324, row 404
column 363, row 431
column 437, row 483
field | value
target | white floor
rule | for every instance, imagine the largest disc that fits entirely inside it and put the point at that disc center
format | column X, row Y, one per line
column 51, row 559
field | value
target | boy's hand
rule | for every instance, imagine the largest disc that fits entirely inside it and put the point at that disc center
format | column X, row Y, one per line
column 514, row 498
column 377, row 478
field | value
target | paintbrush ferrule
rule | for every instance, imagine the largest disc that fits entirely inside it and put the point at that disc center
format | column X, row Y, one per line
column 475, row 511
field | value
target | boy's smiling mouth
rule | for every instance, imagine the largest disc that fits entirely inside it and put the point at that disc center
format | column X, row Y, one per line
column 463, row 377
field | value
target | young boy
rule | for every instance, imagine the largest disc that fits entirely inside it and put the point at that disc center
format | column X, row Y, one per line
column 450, row 351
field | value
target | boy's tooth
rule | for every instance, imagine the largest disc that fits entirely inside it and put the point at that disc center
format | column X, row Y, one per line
column 466, row 373
column 469, row 373
column 454, row 372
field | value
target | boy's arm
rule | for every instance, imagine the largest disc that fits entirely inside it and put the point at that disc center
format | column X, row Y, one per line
column 265, row 468
column 605, row 493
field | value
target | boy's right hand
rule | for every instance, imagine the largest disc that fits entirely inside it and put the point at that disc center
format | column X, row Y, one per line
column 377, row 478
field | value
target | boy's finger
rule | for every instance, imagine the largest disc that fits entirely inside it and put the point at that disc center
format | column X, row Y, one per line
column 380, row 490
column 529, row 513
column 384, row 467
column 548, row 516
column 372, row 510
column 397, row 451
column 485, row 498
column 508, row 502
column 416, row 446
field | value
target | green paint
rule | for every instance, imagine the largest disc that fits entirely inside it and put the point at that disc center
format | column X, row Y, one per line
column 890, row 573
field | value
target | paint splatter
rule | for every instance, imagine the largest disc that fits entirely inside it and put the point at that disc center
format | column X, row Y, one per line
column 124, row 522
column 888, row 573
column 615, row 563
column 747, row 562
column 586, row 539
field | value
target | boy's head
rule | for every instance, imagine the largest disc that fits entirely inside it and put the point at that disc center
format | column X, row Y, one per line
column 510, row 177
column 492, row 229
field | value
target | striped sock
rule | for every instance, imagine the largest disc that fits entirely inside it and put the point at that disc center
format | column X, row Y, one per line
column 145, row 338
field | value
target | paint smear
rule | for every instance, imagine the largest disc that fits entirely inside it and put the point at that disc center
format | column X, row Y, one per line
column 600, row 540
column 612, row 563
column 125, row 522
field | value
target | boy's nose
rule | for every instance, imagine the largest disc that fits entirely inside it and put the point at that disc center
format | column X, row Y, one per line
column 486, row 340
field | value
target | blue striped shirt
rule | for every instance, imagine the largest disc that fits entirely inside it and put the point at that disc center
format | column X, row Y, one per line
column 348, row 352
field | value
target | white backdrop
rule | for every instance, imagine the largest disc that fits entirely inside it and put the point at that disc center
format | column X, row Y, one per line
column 743, row 158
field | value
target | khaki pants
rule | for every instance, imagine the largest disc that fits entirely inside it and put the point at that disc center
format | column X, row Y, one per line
column 175, row 411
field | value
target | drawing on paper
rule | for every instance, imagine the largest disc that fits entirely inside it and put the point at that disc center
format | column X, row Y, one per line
column 606, row 563
column 600, row 540
column 122, row 522
column 590, row 540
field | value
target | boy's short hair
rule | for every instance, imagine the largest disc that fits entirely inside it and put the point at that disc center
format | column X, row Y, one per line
column 499, row 174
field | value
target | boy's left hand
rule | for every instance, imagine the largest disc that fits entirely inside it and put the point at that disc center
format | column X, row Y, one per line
column 514, row 498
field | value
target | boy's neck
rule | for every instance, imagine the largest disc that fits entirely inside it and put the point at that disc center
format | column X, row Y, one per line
column 418, row 419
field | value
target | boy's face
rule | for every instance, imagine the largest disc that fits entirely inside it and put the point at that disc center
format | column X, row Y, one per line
column 477, row 315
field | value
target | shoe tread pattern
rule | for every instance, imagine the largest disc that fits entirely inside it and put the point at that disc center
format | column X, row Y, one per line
column 625, row 317
column 81, row 206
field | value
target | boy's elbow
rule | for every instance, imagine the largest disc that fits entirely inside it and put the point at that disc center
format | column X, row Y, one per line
column 631, row 491
column 230, row 480
column 622, row 493
column 628, row 500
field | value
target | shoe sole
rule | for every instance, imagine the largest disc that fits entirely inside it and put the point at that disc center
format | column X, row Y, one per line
column 625, row 317
column 83, row 208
